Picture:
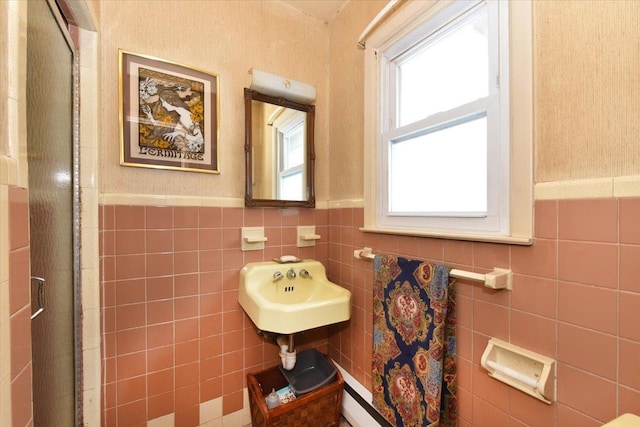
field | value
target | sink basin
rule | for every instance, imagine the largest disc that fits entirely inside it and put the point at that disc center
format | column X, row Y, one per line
column 295, row 302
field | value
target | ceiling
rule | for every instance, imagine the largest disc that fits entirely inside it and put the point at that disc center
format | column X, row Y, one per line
column 324, row 10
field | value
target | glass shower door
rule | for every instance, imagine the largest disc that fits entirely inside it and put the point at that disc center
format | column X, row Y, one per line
column 50, row 143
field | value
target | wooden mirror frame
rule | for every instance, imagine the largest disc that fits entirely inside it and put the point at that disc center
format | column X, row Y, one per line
column 249, row 200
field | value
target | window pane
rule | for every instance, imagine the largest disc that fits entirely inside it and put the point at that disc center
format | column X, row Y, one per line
column 291, row 187
column 293, row 147
column 450, row 71
column 441, row 171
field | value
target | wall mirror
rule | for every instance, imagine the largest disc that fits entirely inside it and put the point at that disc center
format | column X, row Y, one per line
column 279, row 154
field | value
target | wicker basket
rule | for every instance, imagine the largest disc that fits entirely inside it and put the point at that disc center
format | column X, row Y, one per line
column 318, row 408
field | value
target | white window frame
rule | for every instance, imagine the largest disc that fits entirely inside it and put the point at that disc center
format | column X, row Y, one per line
column 510, row 177
column 296, row 124
column 283, row 126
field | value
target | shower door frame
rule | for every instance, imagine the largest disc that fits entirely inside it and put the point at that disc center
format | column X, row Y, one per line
column 62, row 21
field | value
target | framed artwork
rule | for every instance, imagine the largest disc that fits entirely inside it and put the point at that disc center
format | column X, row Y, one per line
column 168, row 115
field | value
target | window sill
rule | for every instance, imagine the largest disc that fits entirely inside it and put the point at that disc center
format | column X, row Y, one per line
column 512, row 240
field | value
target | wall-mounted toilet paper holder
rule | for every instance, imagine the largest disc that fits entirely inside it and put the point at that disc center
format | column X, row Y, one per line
column 525, row 370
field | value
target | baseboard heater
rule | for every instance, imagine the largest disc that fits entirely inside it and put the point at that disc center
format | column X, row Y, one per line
column 355, row 404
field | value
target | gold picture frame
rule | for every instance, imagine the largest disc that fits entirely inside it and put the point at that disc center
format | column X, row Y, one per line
column 169, row 115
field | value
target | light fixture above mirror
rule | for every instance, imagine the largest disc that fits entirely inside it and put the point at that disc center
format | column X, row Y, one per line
column 279, row 144
column 282, row 87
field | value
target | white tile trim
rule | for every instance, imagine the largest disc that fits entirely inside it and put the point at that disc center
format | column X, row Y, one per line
column 621, row 186
column 163, row 421
column 626, row 186
column 168, row 200
column 211, row 410
column 346, row 203
column 211, row 416
column 5, row 331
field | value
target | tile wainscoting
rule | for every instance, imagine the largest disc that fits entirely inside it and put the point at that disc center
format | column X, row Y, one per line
column 175, row 338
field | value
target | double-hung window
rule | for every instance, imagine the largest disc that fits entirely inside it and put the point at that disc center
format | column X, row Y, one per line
column 438, row 124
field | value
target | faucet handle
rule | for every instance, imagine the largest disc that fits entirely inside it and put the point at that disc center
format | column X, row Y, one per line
column 277, row 276
column 305, row 274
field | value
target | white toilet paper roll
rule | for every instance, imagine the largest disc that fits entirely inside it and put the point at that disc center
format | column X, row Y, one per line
column 518, row 376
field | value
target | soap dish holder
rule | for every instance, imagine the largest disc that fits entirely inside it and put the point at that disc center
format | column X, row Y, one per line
column 525, row 370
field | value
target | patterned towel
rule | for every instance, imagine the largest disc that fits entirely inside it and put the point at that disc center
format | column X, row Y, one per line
column 414, row 343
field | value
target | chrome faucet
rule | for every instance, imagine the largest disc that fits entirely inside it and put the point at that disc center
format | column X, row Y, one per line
column 305, row 274
column 291, row 274
column 277, row 276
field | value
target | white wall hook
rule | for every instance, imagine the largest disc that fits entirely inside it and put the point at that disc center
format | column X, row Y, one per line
column 253, row 238
column 310, row 237
column 307, row 235
column 365, row 253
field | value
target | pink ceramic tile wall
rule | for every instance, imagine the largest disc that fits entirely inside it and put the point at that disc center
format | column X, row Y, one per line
column 576, row 298
column 174, row 335
column 172, row 324
column 20, row 307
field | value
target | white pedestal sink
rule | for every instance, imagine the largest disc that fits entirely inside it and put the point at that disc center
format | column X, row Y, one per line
column 291, row 297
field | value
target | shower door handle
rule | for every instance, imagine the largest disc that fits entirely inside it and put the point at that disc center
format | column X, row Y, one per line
column 41, row 295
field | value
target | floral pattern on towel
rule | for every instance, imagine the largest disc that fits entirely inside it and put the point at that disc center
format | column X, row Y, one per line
column 414, row 372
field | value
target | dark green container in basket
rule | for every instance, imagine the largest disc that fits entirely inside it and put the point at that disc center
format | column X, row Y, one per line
column 312, row 370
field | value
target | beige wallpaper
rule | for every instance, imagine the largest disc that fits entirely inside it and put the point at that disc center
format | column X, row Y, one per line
column 4, row 79
column 586, row 85
column 587, row 92
column 346, row 115
column 224, row 37
column 94, row 7
column 587, row 89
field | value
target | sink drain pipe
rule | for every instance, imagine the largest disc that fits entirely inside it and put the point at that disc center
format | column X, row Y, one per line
column 287, row 352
